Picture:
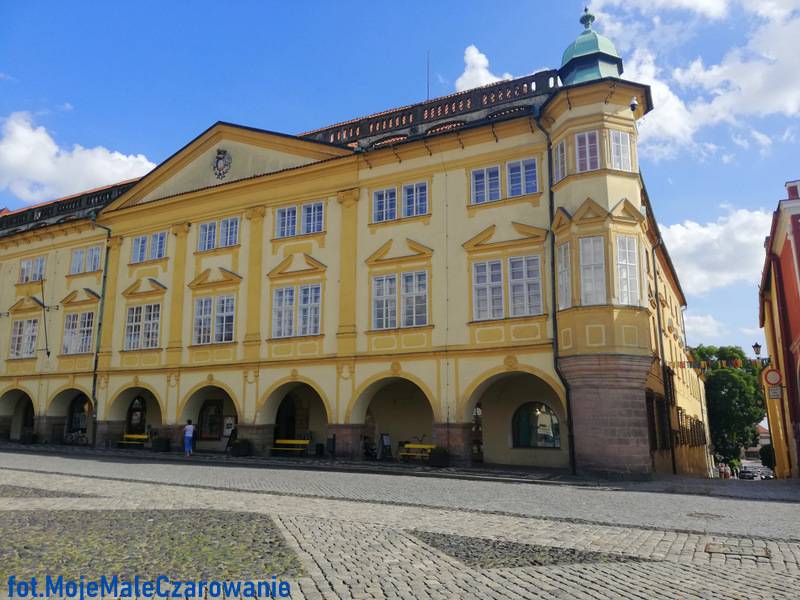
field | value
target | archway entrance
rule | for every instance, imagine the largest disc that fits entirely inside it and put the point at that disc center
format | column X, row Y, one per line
column 293, row 411
column 518, row 419
column 70, row 417
column 214, row 414
column 396, row 411
column 16, row 416
column 135, row 411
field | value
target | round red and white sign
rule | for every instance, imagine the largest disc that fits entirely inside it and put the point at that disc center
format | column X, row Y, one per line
column 772, row 377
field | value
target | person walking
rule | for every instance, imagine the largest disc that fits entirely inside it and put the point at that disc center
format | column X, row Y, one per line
column 188, row 437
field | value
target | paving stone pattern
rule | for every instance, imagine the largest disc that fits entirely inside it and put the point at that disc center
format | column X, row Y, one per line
column 354, row 546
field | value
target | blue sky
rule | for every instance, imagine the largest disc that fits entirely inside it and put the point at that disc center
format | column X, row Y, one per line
column 94, row 93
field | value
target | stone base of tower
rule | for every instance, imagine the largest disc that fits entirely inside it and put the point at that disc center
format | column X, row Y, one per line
column 609, row 414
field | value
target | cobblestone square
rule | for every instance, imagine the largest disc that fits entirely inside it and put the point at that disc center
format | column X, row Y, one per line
column 340, row 535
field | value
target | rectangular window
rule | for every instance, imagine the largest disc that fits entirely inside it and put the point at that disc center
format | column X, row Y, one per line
column 414, row 293
column 23, row 338
column 628, row 270
column 384, row 302
column 223, row 324
column 564, row 276
column 310, row 299
column 525, row 282
column 286, row 222
column 202, row 321
column 76, row 265
column 158, row 245
column 139, row 249
column 587, row 157
column 415, row 199
column 283, row 312
column 487, row 290
column 312, row 217
column 31, row 269
column 384, row 205
column 593, row 271
column 207, row 239
column 560, row 161
column 133, row 328
column 229, row 232
column 93, row 259
column 522, row 177
column 78, row 333
column 485, row 185
column 620, row 150
column 151, row 325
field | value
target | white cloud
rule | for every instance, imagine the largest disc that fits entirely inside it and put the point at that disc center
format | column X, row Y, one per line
column 34, row 168
column 476, row 70
column 740, row 140
column 728, row 158
column 712, row 9
column 756, row 78
column 702, row 328
column 719, row 253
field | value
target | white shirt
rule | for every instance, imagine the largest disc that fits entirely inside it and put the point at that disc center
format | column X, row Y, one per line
column 188, row 431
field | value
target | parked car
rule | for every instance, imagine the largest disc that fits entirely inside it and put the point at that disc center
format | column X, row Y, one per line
column 747, row 473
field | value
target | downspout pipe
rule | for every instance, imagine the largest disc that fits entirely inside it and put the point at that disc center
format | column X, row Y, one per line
column 554, row 290
column 99, row 327
column 664, row 371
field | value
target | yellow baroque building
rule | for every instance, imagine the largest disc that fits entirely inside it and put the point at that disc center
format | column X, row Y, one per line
column 481, row 271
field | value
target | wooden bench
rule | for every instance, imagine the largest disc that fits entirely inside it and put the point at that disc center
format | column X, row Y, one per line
column 418, row 452
column 299, row 446
column 135, row 440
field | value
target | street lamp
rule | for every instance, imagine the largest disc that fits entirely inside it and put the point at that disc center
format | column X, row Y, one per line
column 757, row 349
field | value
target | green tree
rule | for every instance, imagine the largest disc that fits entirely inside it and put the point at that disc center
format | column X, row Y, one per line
column 735, row 407
column 767, row 454
column 726, row 353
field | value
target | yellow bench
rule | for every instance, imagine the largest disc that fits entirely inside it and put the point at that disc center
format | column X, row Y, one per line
column 291, row 446
column 416, row 451
column 133, row 439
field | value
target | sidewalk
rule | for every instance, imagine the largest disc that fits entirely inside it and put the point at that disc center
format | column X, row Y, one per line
column 772, row 491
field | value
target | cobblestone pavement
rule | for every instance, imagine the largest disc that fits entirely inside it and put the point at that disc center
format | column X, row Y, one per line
column 600, row 504
column 353, row 546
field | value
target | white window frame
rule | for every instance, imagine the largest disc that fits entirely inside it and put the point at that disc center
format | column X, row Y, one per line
column 524, row 165
column 564, row 260
column 93, row 254
column 202, row 321
column 31, row 269
column 133, row 327
column 283, row 301
column 525, row 286
column 158, row 245
column 78, row 329
column 593, row 271
column 560, row 161
column 207, row 236
column 151, row 326
column 224, row 319
column 309, row 308
column 628, row 270
column 77, row 261
column 286, row 222
column 495, row 305
column 23, row 338
column 414, row 298
column 486, row 195
column 312, row 217
column 229, row 232
column 384, row 205
column 621, row 150
column 592, row 163
column 139, row 249
column 415, row 199
column 385, row 303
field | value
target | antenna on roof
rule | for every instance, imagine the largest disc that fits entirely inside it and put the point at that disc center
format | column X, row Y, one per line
column 428, row 75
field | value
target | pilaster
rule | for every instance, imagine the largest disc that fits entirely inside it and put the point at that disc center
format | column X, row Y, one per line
column 346, row 333
column 255, row 253
column 109, row 303
column 175, row 343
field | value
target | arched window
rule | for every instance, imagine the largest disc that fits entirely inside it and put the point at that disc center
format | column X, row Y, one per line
column 535, row 425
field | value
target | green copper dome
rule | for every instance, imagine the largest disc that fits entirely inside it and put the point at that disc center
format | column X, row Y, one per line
column 590, row 56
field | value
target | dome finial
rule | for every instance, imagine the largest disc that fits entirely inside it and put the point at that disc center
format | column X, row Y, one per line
column 587, row 18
